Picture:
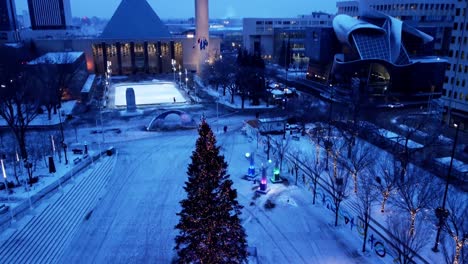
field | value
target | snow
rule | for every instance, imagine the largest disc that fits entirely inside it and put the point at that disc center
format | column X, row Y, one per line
column 148, row 93
column 135, row 216
column 399, row 139
column 457, row 164
column 57, row 58
column 88, row 84
column 237, row 102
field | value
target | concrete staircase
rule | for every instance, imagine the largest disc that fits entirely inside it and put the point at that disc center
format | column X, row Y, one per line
column 44, row 238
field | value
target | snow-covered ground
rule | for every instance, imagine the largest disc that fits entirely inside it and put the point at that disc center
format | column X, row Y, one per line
column 148, row 93
column 134, row 221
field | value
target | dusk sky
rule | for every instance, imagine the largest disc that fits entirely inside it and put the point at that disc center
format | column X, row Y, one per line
column 218, row 8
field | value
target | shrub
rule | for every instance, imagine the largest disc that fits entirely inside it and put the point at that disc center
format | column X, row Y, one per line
column 269, row 204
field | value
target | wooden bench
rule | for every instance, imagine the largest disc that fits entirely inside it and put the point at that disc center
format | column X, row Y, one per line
column 76, row 160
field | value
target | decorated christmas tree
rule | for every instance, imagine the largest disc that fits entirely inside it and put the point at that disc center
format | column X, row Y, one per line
column 210, row 230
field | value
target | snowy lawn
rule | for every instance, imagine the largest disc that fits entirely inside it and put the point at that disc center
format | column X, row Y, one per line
column 156, row 92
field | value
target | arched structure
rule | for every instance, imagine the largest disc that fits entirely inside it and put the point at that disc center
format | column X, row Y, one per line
column 375, row 62
column 159, row 122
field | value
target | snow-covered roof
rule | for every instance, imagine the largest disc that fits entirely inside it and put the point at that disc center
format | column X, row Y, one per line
column 135, row 19
column 57, row 58
column 88, row 84
column 399, row 139
column 457, row 164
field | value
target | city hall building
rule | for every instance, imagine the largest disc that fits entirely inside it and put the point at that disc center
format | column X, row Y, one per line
column 136, row 41
column 143, row 44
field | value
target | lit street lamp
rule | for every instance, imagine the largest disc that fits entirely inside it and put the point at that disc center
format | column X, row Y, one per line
column 251, row 170
column 441, row 212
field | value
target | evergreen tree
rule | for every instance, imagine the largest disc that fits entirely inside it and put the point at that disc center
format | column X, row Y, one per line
column 210, row 230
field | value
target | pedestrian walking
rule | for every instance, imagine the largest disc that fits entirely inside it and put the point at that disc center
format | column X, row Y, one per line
column 174, row 100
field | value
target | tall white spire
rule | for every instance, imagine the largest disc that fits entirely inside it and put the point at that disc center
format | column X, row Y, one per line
column 202, row 36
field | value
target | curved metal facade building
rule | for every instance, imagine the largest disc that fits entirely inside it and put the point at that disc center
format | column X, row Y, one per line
column 374, row 61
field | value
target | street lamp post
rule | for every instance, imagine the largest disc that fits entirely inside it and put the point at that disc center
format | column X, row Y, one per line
column 441, row 212
column 180, row 78
column 6, row 188
column 173, row 63
column 63, row 139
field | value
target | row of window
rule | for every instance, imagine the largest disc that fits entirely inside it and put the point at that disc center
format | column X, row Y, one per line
column 458, row 83
column 401, row 7
column 294, row 22
column 458, row 40
column 414, row 6
column 456, row 95
column 455, row 26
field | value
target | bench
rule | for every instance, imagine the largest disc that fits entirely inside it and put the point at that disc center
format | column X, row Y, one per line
column 4, row 208
column 77, row 151
column 76, row 160
column 110, row 151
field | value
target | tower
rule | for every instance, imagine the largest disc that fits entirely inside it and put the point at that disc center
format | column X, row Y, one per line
column 8, row 26
column 202, row 36
column 50, row 14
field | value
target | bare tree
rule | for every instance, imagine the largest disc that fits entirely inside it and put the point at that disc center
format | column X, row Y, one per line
column 416, row 193
column 456, row 227
column 362, row 156
column 405, row 244
column 313, row 167
column 18, row 105
column 338, row 180
column 422, row 128
column 55, row 74
column 366, row 197
column 223, row 69
column 281, row 146
column 387, row 173
column 295, row 160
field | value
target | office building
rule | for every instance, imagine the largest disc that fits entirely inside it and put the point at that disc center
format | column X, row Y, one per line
column 259, row 33
column 50, row 14
column 455, row 92
column 8, row 25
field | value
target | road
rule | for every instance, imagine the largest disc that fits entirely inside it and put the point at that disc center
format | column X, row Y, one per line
column 134, row 222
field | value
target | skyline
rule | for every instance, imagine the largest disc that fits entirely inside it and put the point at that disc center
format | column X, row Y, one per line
column 217, row 8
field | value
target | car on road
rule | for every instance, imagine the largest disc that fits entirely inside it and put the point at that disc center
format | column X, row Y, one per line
column 395, row 105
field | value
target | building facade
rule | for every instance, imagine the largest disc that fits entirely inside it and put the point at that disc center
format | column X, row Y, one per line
column 447, row 21
column 422, row 14
column 259, row 33
column 370, row 61
column 455, row 92
column 50, row 14
column 8, row 24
